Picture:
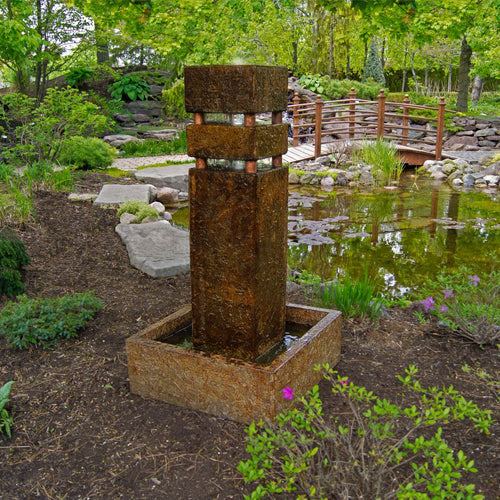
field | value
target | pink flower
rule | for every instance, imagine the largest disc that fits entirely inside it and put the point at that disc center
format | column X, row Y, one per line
column 344, row 382
column 288, row 393
column 475, row 279
column 443, row 309
column 428, row 303
column 448, row 293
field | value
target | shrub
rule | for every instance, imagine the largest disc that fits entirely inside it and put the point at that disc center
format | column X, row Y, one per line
column 339, row 89
column 383, row 156
column 86, row 153
column 46, row 321
column 152, row 147
column 355, row 299
column 76, row 77
column 173, row 100
column 129, row 87
column 41, row 129
column 366, row 454
column 12, row 257
column 5, row 420
column 373, row 68
column 466, row 304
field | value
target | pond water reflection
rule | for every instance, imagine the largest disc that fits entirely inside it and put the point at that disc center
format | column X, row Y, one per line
column 400, row 237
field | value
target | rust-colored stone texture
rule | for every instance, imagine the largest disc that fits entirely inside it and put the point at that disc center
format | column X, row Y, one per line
column 238, row 240
column 237, row 143
column 228, row 387
column 235, row 89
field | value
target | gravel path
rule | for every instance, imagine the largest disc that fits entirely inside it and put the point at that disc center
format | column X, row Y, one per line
column 134, row 163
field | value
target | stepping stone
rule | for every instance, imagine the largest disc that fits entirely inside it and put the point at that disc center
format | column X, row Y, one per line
column 112, row 195
column 173, row 176
column 156, row 248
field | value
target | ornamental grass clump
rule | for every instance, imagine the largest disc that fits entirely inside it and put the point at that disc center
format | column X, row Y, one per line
column 376, row 450
column 468, row 305
column 383, row 157
column 140, row 209
column 13, row 257
column 355, row 299
column 46, row 321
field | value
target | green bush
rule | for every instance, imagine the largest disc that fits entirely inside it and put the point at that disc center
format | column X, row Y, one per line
column 152, row 147
column 339, row 89
column 173, row 100
column 76, row 77
column 376, row 449
column 355, row 299
column 46, row 321
column 12, row 257
column 5, row 420
column 40, row 129
column 129, row 87
column 86, row 153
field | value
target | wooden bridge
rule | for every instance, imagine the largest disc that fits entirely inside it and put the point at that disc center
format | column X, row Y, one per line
column 327, row 126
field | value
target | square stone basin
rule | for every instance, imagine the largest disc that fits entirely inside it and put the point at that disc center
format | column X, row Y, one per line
column 228, row 387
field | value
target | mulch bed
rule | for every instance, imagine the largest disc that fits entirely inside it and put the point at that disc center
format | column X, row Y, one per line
column 80, row 434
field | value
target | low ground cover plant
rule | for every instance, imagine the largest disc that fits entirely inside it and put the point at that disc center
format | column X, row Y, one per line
column 381, row 450
column 13, row 257
column 140, row 209
column 39, row 321
column 468, row 305
column 129, row 88
column 6, row 420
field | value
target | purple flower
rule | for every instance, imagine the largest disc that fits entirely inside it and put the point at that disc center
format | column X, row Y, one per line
column 428, row 303
column 344, row 382
column 448, row 293
column 288, row 393
column 443, row 309
column 475, row 279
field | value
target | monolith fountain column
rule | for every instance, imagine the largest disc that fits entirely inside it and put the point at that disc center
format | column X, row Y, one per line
column 238, row 246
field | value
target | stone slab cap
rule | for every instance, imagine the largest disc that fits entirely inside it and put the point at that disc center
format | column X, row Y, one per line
column 237, row 143
column 173, row 176
column 112, row 195
column 156, row 248
column 236, row 89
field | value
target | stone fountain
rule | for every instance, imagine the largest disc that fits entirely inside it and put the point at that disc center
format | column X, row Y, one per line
column 238, row 250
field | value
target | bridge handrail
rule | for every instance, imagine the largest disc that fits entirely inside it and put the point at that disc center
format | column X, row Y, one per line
column 310, row 119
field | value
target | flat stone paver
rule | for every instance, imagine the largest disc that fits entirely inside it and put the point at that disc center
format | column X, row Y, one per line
column 156, row 248
column 112, row 195
column 173, row 176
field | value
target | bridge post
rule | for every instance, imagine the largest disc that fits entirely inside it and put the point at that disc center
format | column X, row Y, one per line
column 295, row 114
column 317, row 127
column 404, row 130
column 440, row 128
column 381, row 114
column 352, row 112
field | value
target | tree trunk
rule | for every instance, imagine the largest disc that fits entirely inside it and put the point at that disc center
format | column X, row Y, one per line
column 450, row 75
column 101, row 44
column 463, row 76
column 348, row 61
column 403, row 85
column 426, row 77
column 413, row 72
column 330, row 62
column 477, row 89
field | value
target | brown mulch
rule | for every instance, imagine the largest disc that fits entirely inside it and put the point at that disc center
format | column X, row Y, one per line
column 80, row 434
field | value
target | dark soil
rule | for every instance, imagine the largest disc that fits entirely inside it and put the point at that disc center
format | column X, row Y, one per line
column 80, row 434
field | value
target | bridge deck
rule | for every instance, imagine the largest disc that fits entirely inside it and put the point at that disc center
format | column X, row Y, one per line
column 411, row 156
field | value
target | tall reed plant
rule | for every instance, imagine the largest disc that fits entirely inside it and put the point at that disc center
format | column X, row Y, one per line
column 355, row 299
column 383, row 157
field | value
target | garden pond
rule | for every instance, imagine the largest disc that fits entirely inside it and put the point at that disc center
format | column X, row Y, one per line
column 401, row 237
